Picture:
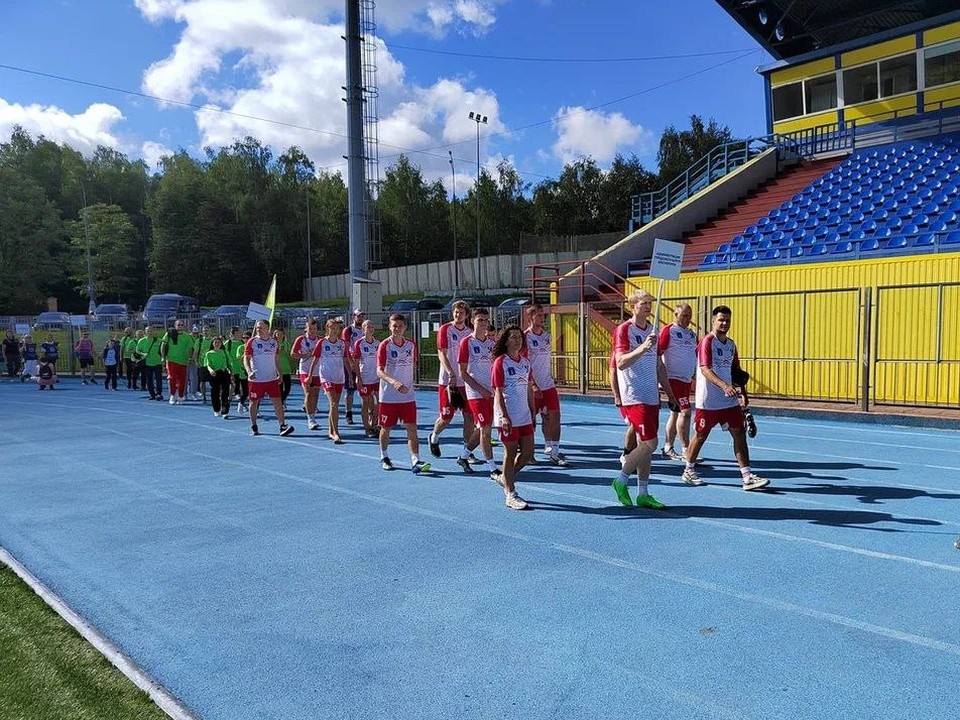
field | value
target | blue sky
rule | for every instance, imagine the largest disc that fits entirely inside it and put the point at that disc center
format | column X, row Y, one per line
column 282, row 61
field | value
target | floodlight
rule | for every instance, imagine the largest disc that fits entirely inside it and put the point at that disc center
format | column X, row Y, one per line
column 762, row 15
column 778, row 32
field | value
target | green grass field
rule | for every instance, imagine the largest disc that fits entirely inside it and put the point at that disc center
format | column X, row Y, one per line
column 49, row 672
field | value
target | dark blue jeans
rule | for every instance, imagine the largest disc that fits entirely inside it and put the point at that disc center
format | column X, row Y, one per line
column 154, row 380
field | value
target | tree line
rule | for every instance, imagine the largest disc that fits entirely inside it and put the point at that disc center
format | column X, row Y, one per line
column 219, row 226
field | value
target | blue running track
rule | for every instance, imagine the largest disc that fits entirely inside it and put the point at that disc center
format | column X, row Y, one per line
column 290, row 578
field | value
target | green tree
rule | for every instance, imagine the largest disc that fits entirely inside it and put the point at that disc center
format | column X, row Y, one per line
column 113, row 252
column 415, row 217
column 624, row 179
column 679, row 149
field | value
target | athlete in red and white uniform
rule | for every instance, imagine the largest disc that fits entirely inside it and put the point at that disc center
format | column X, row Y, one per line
column 364, row 354
column 396, row 367
column 546, row 400
column 630, row 435
column 475, row 361
column 302, row 351
column 450, row 390
column 513, row 408
column 677, row 347
column 352, row 333
column 330, row 358
column 263, row 374
column 718, row 402
column 639, row 373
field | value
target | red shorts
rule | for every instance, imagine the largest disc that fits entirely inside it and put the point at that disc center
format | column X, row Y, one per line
column 332, row 387
column 305, row 382
column 515, row 433
column 263, row 390
column 370, row 389
column 391, row 413
column 728, row 419
column 449, row 407
column 681, row 391
column 482, row 411
column 623, row 414
column 546, row 402
column 645, row 418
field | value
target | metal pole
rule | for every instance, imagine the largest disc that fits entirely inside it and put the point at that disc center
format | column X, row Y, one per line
column 453, row 212
column 309, row 252
column 479, row 277
column 92, row 306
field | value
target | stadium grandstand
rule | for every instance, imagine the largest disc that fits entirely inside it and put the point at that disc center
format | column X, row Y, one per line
column 836, row 236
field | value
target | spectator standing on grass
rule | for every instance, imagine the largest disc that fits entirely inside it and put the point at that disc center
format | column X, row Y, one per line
column 148, row 353
column 11, row 354
column 111, row 363
column 84, row 350
column 217, row 364
column 128, row 351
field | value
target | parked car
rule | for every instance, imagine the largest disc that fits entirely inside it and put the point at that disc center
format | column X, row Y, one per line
column 514, row 303
column 226, row 311
column 113, row 313
column 52, row 321
column 164, row 308
column 474, row 301
column 408, row 306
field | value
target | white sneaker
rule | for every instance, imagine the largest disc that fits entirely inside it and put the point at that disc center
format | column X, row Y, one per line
column 668, row 453
column 198, row 396
column 314, row 426
column 754, row 482
column 173, row 399
column 216, row 414
column 690, row 477
column 515, row 502
column 497, row 476
column 623, row 459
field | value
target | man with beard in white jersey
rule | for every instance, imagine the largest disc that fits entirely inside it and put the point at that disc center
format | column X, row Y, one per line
column 364, row 354
column 718, row 401
column 639, row 373
column 352, row 333
column 546, row 399
column 263, row 375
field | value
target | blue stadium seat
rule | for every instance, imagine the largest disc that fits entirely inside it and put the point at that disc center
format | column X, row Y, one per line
column 931, row 208
column 818, row 249
column 844, row 229
column 869, row 226
column 844, row 248
column 880, row 214
column 790, row 225
column 724, row 248
column 811, row 223
column 798, row 234
column 869, row 245
column 895, row 243
column 796, row 251
column 894, row 223
column 905, row 211
column 832, row 221
column 772, row 254
column 710, row 259
column 856, row 217
column 923, row 240
column 821, row 232
column 952, row 238
column 883, row 232
column 785, row 243
column 765, row 244
column 949, row 217
column 938, row 226
column 909, row 229
column 749, row 256
column 857, row 234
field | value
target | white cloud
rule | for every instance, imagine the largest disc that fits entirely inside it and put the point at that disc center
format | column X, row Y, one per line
column 152, row 152
column 597, row 135
column 83, row 132
column 283, row 61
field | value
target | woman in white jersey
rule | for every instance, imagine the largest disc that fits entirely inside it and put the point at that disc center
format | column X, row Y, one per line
column 364, row 354
column 512, row 408
column 330, row 356
column 302, row 352
column 263, row 375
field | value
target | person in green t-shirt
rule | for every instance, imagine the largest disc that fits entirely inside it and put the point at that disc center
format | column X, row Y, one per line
column 216, row 363
column 177, row 348
column 236, row 366
column 284, row 363
column 148, row 352
column 128, row 349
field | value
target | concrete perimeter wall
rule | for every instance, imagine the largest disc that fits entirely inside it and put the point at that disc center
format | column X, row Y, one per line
column 498, row 272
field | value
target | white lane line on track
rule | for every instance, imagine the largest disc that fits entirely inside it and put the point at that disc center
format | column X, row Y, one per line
column 783, row 606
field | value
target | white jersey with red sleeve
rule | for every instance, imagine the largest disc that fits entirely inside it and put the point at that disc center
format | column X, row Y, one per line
column 305, row 344
column 513, row 377
column 638, row 383
column 448, row 341
column 365, row 353
column 719, row 357
column 398, row 362
column 263, row 358
column 678, row 347
column 332, row 354
column 351, row 333
column 478, row 356
column 540, row 353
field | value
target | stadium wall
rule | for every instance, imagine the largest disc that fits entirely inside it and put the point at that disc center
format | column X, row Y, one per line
column 882, row 331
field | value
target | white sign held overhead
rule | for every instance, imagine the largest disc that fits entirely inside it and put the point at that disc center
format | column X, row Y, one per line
column 667, row 259
column 256, row 311
column 22, row 329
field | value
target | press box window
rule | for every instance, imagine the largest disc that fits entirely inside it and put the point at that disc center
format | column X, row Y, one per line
column 898, row 75
column 860, row 85
column 942, row 64
column 787, row 101
column 821, row 93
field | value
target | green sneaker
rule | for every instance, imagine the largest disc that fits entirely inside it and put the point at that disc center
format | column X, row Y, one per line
column 623, row 493
column 649, row 501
